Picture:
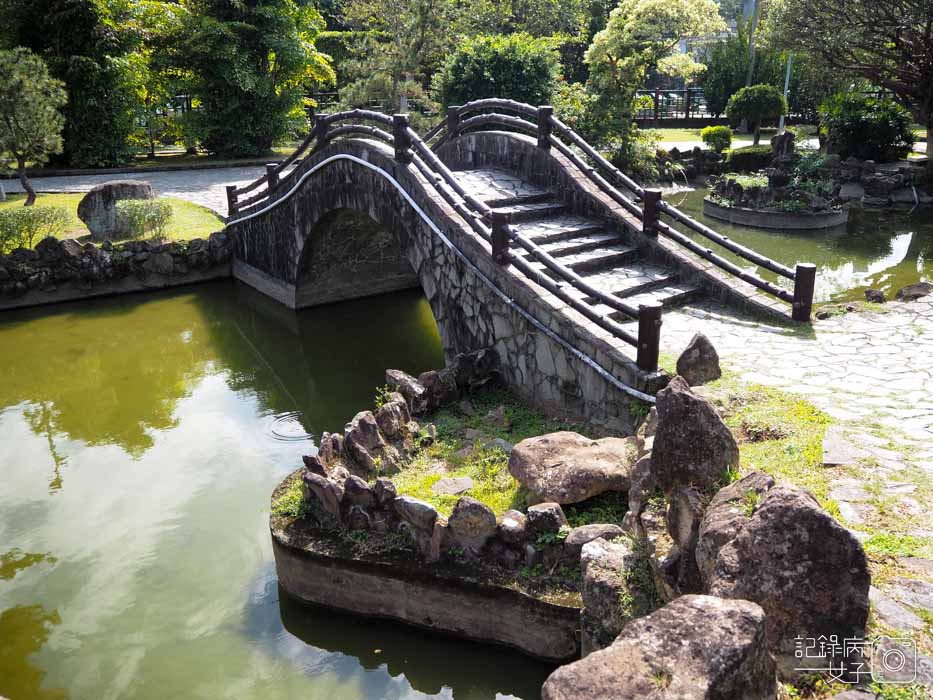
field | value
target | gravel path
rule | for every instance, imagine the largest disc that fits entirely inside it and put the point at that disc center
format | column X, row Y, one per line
column 204, row 187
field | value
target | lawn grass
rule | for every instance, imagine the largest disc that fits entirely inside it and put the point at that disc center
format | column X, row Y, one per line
column 175, row 157
column 188, row 221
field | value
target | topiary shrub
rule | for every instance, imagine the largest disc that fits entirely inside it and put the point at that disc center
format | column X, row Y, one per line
column 719, row 138
column 517, row 67
column 756, row 104
column 866, row 128
column 22, row 227
column 748, row 159
column 137, row 217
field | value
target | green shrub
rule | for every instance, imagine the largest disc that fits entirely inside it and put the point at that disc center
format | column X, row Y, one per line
column 518, row 67
column 719, row 138
column 636, row 154
column 136, row 217
column 23, row 227
column 757, row 104
column 748, row 159
column 866, row 127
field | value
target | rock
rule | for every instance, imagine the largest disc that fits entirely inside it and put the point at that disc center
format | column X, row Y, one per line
column 875, row 296
column 363, row 442
column 579, row 536
column 566, row 467
column 699, row 362
column 642, row 486
column 854, row 694
column 891, row 614
column 160, row 264
column 384, row 492
column 421, row 515
column 427, row 435
column 851, row 192
column 879, row 185
column 684, row 513
column 725, row 516
column 512, row 527
column 545, row 518
column 649, row 426
column 840, row 451
column 314, row 465
column 466, row 407
column 692, row 445
column 612, row 592
column 452, row 486
column 471, row 524
column 695, row 648
column 912, row 292
column 358, row 518
column 331, row 449
column 393, row 416
column 357, row 492
column 327, row 492
column 440, row 387
column 917, row 594
column 782, row 144
column 503, row 445
column 410, row 388
column 498, row 418
column 472, row 370
column 98, row 208
column 809, row 574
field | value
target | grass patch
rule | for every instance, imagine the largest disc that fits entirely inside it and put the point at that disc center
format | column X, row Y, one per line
column 291, row 503
column 780, row 434
column 487, row 464
column 188, row 220
column 892, row 544
column 609, row 507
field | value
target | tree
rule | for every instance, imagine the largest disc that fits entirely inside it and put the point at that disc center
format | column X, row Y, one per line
column 31, row 121
column 252, row 61
column 86, row 46
column 517, row 67
column 756, row 104
column 889, row 43
column 641, row 35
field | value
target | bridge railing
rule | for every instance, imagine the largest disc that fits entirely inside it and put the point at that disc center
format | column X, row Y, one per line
column 492, row 226
column 657, row 216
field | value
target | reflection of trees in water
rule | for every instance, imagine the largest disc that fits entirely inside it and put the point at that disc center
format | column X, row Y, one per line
column 14, row 561
column 105, row 372
column 113, row 371
column 24, row 630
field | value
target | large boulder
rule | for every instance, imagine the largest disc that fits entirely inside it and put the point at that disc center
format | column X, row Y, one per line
column 566, row 467
column 912, row 292
column 699, row 362
column 367, row 447
column 695, row 648
column 545, row 519
column 410, row 388
column 98, row 208
column 613, row 591
column 808, row 573
column 692, row 444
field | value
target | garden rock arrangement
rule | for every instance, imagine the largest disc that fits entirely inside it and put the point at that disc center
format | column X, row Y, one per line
column 867, row 183
column 55, row 265
column 701, row 592
column 695, row 648
column 98, row 208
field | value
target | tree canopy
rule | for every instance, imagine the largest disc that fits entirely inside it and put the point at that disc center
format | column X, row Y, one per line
column 30, row 112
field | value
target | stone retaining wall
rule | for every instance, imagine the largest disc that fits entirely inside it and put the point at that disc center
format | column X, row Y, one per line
column 57, row 271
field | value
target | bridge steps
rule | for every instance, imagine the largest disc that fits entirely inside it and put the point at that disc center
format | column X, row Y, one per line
column 603, row 258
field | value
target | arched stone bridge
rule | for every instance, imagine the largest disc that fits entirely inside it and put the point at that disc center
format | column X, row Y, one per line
column 522, row 237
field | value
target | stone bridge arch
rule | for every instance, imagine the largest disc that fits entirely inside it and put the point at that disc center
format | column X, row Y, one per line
column 544, row 356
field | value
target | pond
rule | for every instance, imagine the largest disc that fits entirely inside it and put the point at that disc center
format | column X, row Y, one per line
column 140, row 439
column 879, row 249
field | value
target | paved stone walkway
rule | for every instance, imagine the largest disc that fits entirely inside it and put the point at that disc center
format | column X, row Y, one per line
column 204, row 187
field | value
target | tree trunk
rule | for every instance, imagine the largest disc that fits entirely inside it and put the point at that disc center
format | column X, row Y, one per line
column 757, row 128
column 929, row 151
column 30, row 192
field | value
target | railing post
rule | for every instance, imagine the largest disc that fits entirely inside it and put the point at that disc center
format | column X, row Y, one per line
column 272, row 176
column 657, row 107
column 231, row 200
column 804, row 285
column 321, row 125
column 545, row 113
column 649, row 335
column 686, row 103
column 453, row 120
column 500, row 236
column 650, row 212
column 401, row 138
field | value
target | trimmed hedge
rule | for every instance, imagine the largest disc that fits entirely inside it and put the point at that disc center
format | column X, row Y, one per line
column 22, row 227
column 719, row 138
column 749, row 159
column 137, row 217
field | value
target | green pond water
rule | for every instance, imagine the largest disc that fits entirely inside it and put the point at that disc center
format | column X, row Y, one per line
column 880, row 249
column 140, row 439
